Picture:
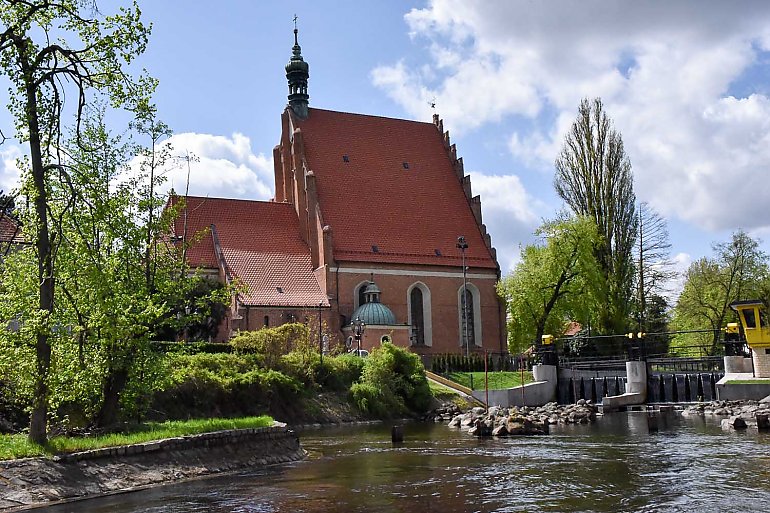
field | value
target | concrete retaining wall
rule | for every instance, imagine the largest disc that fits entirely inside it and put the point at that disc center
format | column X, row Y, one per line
column 736, row 392
column 542, row 391
column 102, row 471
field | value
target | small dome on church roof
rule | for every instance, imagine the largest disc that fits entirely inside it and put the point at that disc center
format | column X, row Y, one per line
column 375, row 314
column 372, row 288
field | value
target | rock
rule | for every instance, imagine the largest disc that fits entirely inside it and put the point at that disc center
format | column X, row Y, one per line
column 734, row 423
column 479, row 410
column 456, row 421
column 480, row 429
column 500, row 430
column 467, row 420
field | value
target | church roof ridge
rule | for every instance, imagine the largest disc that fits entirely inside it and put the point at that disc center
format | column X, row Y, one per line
column 216, row 198
column 377, row 116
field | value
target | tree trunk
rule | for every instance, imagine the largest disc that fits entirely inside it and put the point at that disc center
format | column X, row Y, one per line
column 38, row 423
column 114, row 384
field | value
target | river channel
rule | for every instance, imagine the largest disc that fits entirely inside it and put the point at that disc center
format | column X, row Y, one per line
column 614, row 465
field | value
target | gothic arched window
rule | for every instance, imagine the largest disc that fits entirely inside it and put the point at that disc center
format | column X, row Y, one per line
column 418, row 317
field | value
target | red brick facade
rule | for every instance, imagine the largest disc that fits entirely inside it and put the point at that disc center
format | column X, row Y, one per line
column 357, row 198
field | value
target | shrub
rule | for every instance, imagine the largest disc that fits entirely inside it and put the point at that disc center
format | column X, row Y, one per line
column 398, row 377
column 222, row 385
column 272, row 343
column 369, row 398
column 340, row 372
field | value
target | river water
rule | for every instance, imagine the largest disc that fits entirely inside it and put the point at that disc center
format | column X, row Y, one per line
column 614, row 465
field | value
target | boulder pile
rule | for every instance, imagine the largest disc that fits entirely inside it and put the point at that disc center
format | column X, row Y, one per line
column 515, row 421
column 740, row 414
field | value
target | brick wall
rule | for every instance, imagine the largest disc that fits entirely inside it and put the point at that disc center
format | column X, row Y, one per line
column 445, row 312
column 761, row 363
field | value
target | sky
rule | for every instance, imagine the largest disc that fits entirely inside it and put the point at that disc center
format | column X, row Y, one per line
column 686, row 83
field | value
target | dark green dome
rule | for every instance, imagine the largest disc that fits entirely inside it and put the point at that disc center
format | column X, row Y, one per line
column 375, row 313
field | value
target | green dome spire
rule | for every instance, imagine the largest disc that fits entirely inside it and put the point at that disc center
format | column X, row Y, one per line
column 373, row 312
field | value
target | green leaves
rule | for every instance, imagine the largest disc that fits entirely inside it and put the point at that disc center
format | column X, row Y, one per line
column 738, row 270
column 554, row 282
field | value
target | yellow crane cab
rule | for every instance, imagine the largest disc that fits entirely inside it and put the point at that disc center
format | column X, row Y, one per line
column 753, row 315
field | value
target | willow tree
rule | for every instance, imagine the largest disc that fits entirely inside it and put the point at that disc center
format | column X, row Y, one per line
column 551, row 285
column 594, row 178
column 59, row 55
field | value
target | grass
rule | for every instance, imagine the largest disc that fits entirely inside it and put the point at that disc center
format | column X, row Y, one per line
column 749, row 382
column 439, row 391
column 18, row 446
column 497, row 380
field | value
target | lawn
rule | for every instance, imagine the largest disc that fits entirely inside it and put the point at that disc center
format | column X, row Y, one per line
column 497, row 380
column 18, row 446
column 749, row 382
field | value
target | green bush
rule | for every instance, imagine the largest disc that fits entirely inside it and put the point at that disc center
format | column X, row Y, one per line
column 222, row 385
column 340, row 372
column 272, row 343
column 398, row 378
column 369, row 398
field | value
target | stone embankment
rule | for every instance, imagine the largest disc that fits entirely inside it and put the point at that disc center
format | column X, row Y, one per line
column 515, row 421
column 740, row 414
column 103, row 471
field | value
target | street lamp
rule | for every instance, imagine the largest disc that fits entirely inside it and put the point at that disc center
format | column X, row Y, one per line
column 463, row 245
column 358, row 331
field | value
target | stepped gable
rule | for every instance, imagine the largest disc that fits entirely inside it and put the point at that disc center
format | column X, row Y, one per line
column 260, row 247
column 389, row 190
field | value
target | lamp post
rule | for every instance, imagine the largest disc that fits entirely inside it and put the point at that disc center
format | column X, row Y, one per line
column 358, row 331
column 320, row 329
column 463, row 245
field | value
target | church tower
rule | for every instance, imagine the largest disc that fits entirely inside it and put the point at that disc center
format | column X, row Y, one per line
column 297, row 73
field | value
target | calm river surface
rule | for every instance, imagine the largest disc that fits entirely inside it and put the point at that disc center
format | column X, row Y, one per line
column 613, row 465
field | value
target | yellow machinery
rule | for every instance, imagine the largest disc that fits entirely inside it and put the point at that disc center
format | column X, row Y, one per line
column 753, row 316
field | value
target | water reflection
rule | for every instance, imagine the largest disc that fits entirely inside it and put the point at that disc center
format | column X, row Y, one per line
column 614, row 465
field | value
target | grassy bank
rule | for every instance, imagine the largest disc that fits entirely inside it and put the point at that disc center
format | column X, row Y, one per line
column 497, row 380
column 18, row 446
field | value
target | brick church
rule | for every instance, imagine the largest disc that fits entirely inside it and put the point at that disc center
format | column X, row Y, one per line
column 373, row 219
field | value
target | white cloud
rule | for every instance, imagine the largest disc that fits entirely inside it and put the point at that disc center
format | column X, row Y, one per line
column 9, row 172
column 507, row 206
column 681, row 262
column 665, row 71
column 221, row 167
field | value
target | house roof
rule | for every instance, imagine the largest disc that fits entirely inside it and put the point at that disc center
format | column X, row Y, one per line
column 10, row 230
column 389, row 191
column 261, row 246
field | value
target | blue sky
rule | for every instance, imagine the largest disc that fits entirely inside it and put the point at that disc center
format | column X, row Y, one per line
column 685, row 82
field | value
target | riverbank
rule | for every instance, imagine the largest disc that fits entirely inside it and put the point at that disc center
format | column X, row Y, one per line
column 34, row 481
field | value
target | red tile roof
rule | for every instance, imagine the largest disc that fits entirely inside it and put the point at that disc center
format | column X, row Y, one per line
column 261, row 246
column 10, row 230
column 375, row 200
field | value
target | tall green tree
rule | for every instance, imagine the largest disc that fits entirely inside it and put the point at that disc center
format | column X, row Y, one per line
column 593, row 176
column 738, row 270
column 551, row 285
column 53, row 51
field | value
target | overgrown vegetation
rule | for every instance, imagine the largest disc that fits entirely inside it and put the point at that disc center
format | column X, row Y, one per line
column 393, row 383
